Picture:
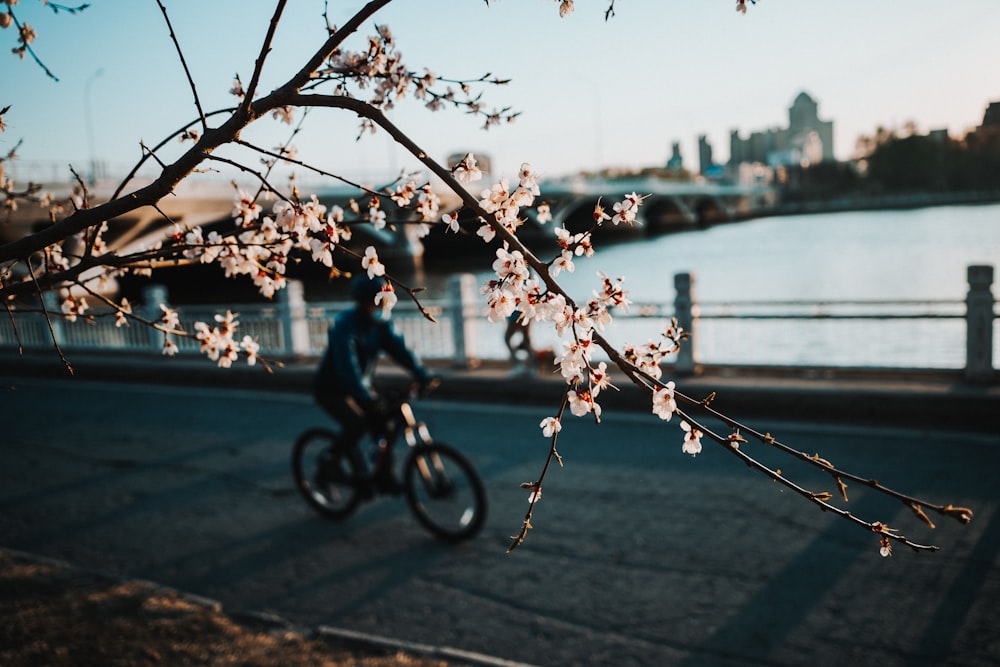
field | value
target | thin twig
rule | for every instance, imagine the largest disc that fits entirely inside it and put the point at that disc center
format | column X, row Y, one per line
column 536, row 486
column 264, row 50
column 48, row 319
column 13, row 324
column 187, row 71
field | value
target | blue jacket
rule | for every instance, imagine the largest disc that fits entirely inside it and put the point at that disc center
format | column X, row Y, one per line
column 353, row 345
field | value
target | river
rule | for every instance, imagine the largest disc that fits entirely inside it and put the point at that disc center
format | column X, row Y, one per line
column 911, row 254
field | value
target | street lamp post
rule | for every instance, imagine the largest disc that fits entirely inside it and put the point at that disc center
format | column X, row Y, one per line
column 90, row 125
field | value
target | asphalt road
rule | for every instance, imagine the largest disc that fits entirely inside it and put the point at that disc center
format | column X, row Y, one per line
column 640, row 555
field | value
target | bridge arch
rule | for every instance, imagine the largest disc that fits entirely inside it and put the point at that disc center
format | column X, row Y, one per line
column 710, row 210
column 667, row 213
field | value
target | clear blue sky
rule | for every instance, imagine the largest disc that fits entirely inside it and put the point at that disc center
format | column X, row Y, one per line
column 592, row 93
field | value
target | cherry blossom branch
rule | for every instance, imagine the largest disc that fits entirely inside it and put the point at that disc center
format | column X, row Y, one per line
column 821, row 499
column 650, row 384
column 961, row 514
column 25, row 36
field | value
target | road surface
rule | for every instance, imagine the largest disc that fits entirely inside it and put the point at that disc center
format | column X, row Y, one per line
column 640, row 555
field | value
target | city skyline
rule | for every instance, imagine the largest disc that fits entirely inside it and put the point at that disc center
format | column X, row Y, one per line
column 703, row 70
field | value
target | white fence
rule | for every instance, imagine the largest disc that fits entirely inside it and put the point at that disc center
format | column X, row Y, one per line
column 954, row 335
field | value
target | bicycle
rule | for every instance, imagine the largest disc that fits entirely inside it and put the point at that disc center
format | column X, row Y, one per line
column 441, row 486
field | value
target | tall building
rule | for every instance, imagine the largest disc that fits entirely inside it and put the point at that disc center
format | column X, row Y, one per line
column 986, row 136
column 676, row 162
column 992, row 116
column 806, row 140
column 705, row 163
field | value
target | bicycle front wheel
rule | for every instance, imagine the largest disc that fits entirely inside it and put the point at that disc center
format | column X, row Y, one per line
column 324, row 474
column 445, row 492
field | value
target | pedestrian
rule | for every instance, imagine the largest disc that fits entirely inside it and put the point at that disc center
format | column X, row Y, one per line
column 518, row 339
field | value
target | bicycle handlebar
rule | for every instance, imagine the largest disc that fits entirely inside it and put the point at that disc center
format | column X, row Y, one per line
column 412, row 389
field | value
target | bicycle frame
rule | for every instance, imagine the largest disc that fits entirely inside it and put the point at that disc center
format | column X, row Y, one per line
column 414, row 432
column 404, row 421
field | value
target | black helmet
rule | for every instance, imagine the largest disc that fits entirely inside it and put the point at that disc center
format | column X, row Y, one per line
column 364, row 289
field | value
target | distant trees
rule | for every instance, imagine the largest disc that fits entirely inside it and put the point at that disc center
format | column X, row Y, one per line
column 904, row 163
column 900, row 162
column 820, row 182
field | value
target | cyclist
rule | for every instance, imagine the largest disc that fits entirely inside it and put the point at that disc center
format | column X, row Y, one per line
column 342, row 385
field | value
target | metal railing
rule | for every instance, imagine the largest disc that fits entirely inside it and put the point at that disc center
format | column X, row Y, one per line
column 861, row 333
column 898, row 334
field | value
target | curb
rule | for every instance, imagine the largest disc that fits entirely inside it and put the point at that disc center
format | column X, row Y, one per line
column 453, row 656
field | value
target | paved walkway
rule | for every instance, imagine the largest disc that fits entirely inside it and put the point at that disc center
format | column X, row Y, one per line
column 639, row 558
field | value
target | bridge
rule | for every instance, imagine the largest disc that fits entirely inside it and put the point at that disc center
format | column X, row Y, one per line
column 667, row 206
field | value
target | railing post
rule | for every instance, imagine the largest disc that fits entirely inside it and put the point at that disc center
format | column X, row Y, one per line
column 979, row 326
column 461, row 305
column 152, row 297
column 294, row 324
column 685, row 311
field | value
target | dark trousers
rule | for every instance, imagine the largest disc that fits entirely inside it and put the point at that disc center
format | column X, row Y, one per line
column 354, row 422
column 346, row 412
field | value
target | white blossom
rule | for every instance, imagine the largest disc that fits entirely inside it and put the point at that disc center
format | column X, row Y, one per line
column 550, row 426
column 73, row 307
column 250, row 347
column 170, row 319
column 581, row 403
column 466, row 171
column 664, row 404
column 371, row 264
column 692, row 439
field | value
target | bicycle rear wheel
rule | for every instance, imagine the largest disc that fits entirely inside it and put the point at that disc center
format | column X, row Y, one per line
column 445, row 492
column 324, row 474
